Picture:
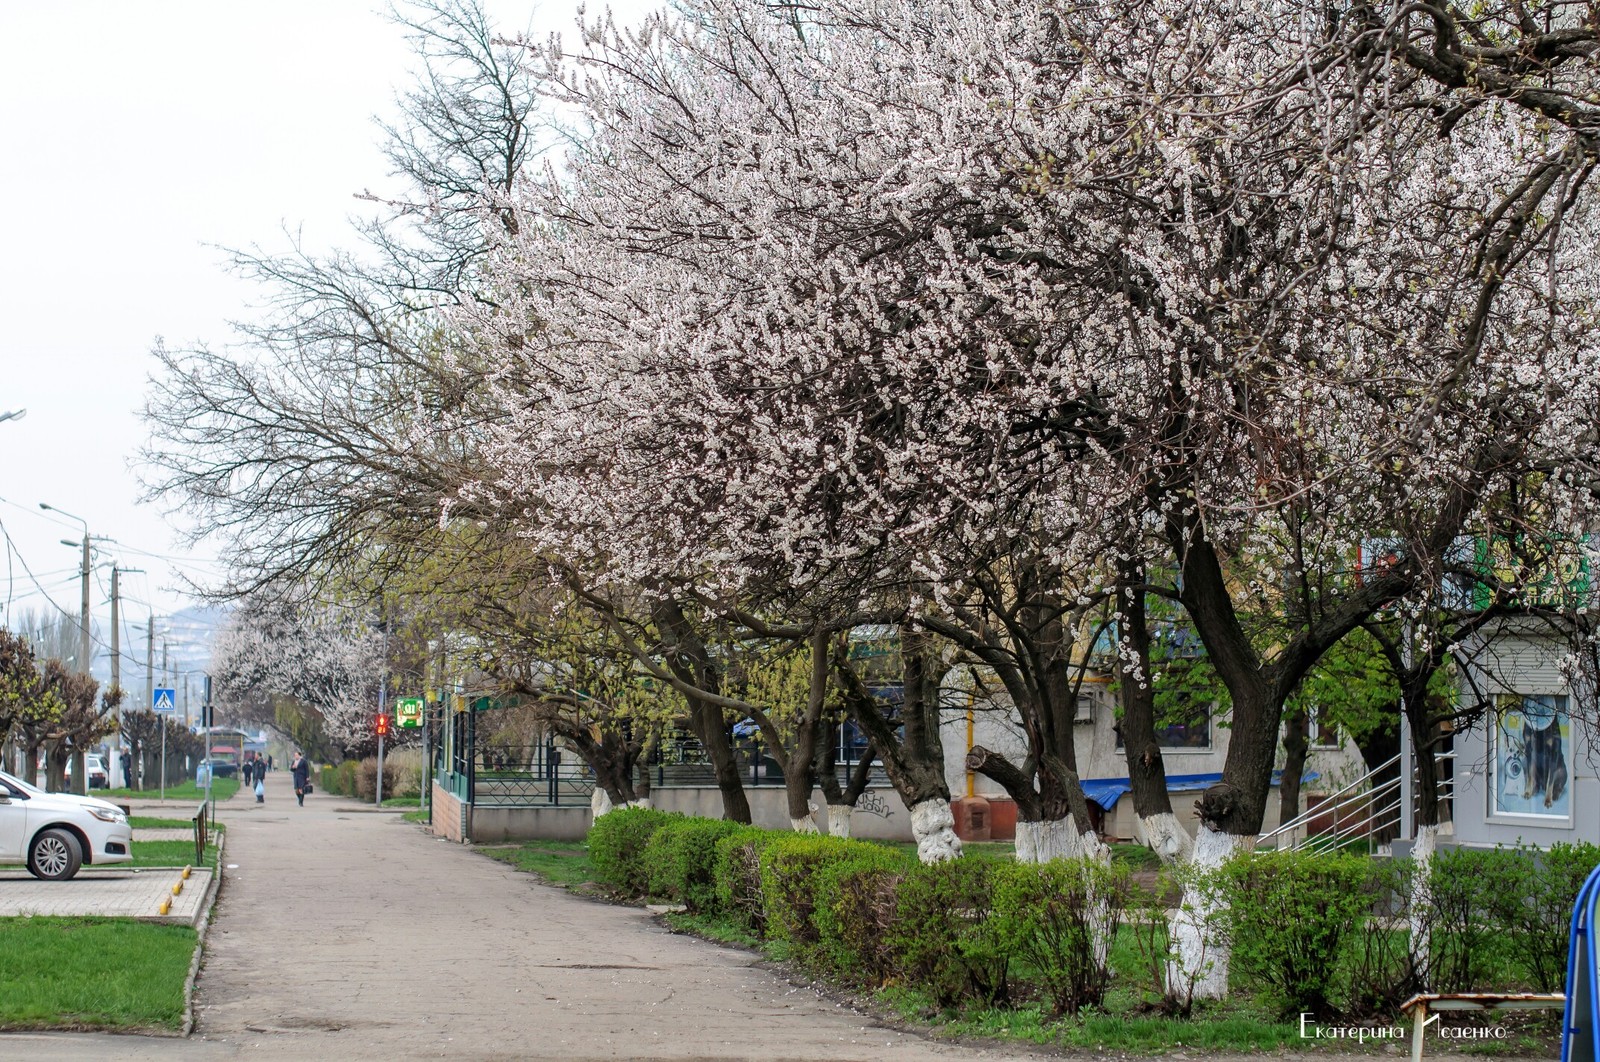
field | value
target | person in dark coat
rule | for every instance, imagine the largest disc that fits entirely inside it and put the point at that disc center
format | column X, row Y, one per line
column 301, row 770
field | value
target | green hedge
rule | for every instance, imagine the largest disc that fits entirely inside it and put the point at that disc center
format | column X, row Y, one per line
column 617, row 844
column 1315, row 933
column 737, row 871
column 790, row 866
column 340, row 780
column 680, row 861
column 1289, row 915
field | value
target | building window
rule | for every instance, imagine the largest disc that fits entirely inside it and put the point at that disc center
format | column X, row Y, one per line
column 1531, row 765
column 1190, row 730
column 1322, row 734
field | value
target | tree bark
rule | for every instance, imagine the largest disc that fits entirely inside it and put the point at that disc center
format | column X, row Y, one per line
column 1147, row 770
column 914, row 762
column 1296, row 747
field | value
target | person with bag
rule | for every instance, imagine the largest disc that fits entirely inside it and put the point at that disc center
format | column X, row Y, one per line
column 301, row 770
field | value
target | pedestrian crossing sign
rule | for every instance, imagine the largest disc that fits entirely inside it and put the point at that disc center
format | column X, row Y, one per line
column 163, row 700
column 408, row 712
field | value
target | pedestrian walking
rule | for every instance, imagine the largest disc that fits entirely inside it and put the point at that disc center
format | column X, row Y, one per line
column 301, row 770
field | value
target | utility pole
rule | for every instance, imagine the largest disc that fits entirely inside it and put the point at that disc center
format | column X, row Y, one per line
column 83, row 613
column 114, row 750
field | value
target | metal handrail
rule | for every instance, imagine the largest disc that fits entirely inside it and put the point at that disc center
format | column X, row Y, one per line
column 1377, row 812
column 1329, row 803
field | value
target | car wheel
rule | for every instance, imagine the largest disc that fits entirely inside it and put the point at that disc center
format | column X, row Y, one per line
column 55, row 855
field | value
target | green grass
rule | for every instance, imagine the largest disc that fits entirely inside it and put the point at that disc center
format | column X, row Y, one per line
column 721, row 929
column 150, row 822
column 402, row 802
column 1234, row 1026
column 557, row 862
column 77, row 973
column 421, row 815
column 223, row 788
column 169, row 854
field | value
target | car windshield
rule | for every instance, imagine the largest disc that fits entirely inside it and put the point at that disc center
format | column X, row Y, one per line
column 18, row 783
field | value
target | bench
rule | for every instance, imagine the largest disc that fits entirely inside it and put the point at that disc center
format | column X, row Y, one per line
column 1419, row 1005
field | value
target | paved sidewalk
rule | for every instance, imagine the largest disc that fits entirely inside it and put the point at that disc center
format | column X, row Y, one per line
column 350, row 935
column 106, row 894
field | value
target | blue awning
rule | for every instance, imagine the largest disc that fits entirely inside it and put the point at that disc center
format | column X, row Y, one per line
column 1107, row 791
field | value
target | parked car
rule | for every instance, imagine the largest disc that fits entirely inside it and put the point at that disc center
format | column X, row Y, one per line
column 53, row 834
column 95, row 767
column 221, row 768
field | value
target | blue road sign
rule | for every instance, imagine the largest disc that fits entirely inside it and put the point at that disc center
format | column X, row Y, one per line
column 163, row 700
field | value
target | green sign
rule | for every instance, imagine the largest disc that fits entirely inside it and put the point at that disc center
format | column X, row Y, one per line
column 408, row 712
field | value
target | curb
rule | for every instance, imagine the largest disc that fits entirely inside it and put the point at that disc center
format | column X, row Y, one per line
column 206, row 907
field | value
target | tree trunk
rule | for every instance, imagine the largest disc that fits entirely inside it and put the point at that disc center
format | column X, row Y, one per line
column 687, row 657
column 1199, row 965
column 841, row 800
column 1147, row 769
column 1296, row 747
column 914, row 762
column 30, row 762
column 80, row 775
column 712, row 729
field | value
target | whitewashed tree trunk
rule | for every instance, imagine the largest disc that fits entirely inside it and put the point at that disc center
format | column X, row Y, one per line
column 1167, row 838
column 1198, row 967
column 839, row 818
column 644, row 803
column 1041, row 842
column 600, row 802
column 1418, row 910
column 803, row 824
column 933, row 826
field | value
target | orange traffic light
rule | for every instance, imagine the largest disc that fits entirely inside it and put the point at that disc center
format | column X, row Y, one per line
column 383, row 726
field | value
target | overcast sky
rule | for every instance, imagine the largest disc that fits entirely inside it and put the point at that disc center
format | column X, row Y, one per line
column 138, row 139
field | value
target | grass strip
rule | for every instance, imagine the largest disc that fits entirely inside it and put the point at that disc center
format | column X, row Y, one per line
column 92, row 973
column 169, row 854
column 149, row 822
column 556, row 862
column 222, row 787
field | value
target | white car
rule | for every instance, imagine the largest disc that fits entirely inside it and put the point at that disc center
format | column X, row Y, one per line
column 56, row 833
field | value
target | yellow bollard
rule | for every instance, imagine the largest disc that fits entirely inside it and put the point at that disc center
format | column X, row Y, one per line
column 166, row 905
column 186, row 873
column 177, row 887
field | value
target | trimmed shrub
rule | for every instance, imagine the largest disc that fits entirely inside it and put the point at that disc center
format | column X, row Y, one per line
column 339, row 780
column 1383, row 969
column 1287, row 915
column 737, row 869
column 1466, row 945
column 616, row 848
column 789, row 865
column 942, row 936
column 1532, row 906
column 855, row 905
column 1062, row 917
column 680, row 860
column 366, row 779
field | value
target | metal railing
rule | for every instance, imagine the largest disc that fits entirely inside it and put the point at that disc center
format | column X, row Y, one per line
column 1360, row 812
column 528, row 775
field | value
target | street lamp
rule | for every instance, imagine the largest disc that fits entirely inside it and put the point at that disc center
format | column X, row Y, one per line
column 13, row 414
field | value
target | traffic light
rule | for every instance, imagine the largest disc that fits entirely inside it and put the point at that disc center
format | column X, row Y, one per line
column 383, row 726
